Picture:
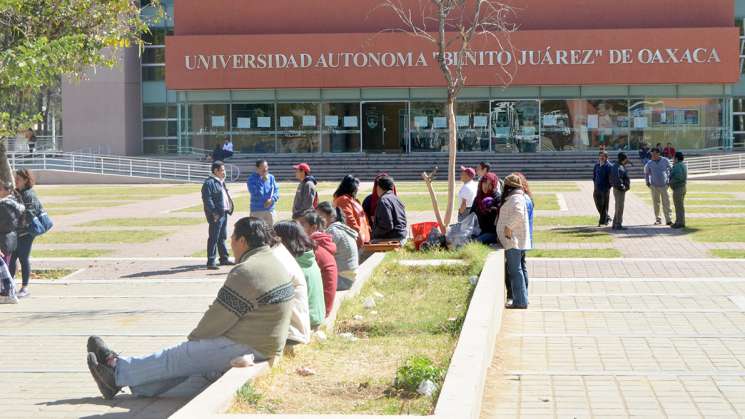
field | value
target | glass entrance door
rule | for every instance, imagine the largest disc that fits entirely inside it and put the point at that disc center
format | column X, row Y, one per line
column 515, row 126
column 384, row 127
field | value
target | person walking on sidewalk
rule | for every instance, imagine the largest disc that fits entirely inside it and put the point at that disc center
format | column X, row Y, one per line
column 306, row 196
column 264, row 193
column 678, row 181
column 657, row 177
column 601, row 192
column 24, row 187
column 621, row 183
column 250, row 315
column 218, row 205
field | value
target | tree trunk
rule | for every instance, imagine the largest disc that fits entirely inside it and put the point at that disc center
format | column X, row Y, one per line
column 6, row 172
column 452, row 155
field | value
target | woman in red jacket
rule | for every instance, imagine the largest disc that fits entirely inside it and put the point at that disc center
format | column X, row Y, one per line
column 325, row 249
column 345, row 198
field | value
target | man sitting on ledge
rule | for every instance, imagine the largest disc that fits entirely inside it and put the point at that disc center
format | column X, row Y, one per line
column 251, row 315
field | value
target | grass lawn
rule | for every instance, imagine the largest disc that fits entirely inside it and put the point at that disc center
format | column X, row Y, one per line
column 572, row 235
column 50, row 273
column 570, row 221
column 574, row 253
column 716, row 230
column 708, row 186
column 128, row 191
column 144, row 222
column 113, row 237
column 69, row 253
column 420, row 313
column 547, row 201
column 647, row 195
column 715, row 202
column 728, row 253
column 715, row 210
column 85, row 204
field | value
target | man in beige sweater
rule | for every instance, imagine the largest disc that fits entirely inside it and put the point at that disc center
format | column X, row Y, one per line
column 251, row 315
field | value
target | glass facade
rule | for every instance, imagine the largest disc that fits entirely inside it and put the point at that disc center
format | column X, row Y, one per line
column 497, row 126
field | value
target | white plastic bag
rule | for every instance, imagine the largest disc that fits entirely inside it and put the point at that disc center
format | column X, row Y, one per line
column 460, row 234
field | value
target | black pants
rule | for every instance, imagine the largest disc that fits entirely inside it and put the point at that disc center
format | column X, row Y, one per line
column 218, row 233
column 602, row 200
column 507, row 282
column 22, row 254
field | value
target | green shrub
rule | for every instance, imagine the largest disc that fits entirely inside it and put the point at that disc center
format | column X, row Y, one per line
column 248, row 395
column 415, row 370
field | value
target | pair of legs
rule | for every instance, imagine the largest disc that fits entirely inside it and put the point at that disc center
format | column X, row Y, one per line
column 508, row 283
column 660, row 195
column 267, row 216
column 517, row 272
column 22, row 255
column 179, row 371
column 619, row 197
column 218, row 233
column 679, row 195
column 602, row 200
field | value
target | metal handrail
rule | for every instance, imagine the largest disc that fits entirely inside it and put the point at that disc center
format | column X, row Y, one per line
column 171, row 170
column 716, row 164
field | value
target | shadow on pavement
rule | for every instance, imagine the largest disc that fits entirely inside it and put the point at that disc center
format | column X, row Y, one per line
column 174, row 270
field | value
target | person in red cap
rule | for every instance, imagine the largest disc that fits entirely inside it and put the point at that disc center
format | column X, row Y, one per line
column 306, row 196
column 467, row 192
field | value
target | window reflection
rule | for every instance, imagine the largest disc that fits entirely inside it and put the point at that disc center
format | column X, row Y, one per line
column 298, row 128
column 341, row 127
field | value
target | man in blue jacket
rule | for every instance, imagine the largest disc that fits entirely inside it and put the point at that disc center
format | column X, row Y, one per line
column 601, row 194
column 217, row 206
column 264, row 193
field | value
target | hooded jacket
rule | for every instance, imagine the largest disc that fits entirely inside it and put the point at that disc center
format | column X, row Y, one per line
column 11, row 212
column 345, row 239
column 355, row 217
column 306, row 197
column 300, row 321
column 325, row 250
column 390, row 218
column 316, row 304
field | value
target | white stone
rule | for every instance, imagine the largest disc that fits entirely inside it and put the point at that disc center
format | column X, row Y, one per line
column 369, row 303
column 426, row 388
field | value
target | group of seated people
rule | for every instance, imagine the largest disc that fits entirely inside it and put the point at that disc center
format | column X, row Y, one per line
column 282, row 287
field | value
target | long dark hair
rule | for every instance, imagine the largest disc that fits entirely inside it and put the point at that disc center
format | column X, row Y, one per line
column 327, row 210
column 314, row 220
column 26, row 175
column 293, row 237
column 256, row 232
column 348, row 186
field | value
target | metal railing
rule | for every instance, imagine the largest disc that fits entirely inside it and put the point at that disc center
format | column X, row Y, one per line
column 43, row 143
column 120, row 166
column 717, row 164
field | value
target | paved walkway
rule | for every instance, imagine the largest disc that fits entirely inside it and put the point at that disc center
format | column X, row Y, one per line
column 619, row 338
column 42, row 348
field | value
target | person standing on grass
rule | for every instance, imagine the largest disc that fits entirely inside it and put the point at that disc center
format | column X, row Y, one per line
column 657, row 177
column 264, row 193
column 301, row 247
column 250, row 315
column 345, row 238
column 390, row 214
column 24, row 187
column 515, row 229
column 467, row 192
column 601, row 192
column 621, row 183
column 306, row 196
column 345, row 199
column 325, row 249
column 218, row 205
column 678, row 181
column 486, row 208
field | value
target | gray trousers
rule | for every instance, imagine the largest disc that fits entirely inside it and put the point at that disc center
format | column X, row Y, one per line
column 268, row 217
column 660, row 195
column 679, row 195
column 620, row 197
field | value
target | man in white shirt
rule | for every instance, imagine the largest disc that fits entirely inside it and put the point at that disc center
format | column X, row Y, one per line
column 467, row 192
column 227, row 148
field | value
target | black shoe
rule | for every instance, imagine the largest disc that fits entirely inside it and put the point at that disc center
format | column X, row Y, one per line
column 677, row 226
column 669, row 223
column 98, row 347
column 512, row 306
column 212, row 267
column 226, row 262
column 103, row 375
column 658, row 222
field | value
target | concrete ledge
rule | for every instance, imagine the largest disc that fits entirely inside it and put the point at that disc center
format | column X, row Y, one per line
column 463, row 389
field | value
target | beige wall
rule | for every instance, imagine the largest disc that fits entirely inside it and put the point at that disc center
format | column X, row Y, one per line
column 105, row 108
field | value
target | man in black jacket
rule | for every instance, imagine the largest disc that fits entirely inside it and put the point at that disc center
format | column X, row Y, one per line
column 217, row 206
column 601, row 193
column 390, row 214
column 620, row 181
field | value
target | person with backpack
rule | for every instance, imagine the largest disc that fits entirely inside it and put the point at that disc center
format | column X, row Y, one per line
column 24, row 187
column 621, row 183
column 11, row 212
column 306, row 196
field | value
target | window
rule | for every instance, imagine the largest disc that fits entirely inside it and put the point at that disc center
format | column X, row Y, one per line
column 153, row 73
column 207, row 124
column 341, row 127
column 429, row 126
column 298, row 127
column 579, row 124
column 253, row 127
column 686, row 123
column 472, row 121
column 154, row 55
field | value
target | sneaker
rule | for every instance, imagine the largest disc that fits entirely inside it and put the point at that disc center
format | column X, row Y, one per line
column 23, row 293
column 103, row 375
column 226, row 262
column 658, row 222
column 98, row 347
column 212, row 267
column 8, row 299
column 512, row 306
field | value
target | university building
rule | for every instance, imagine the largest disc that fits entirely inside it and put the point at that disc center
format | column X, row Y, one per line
column 328, row 77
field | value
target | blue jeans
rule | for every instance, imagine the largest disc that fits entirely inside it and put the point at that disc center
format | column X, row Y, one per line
column 518, row 274
column 487, row 238
column 218, row 233
column 22, row 255
column 182, row 370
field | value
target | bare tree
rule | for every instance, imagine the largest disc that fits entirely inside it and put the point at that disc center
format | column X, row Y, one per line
column 453, row 27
